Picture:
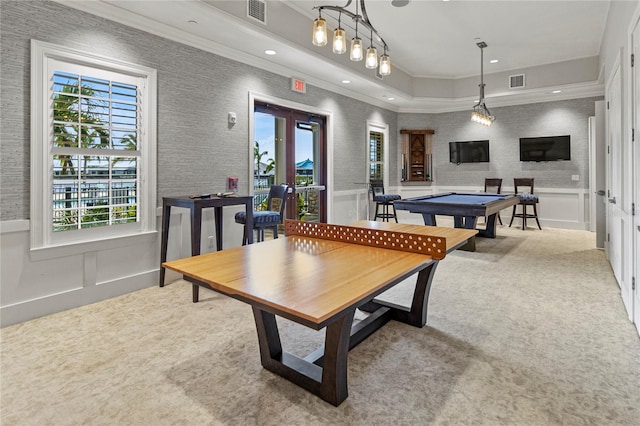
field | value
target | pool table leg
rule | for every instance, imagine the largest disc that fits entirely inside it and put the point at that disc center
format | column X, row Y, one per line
column 429, row 219
column 490, row 229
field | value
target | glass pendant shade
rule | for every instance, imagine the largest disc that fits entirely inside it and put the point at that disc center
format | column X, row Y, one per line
column 371, row 61
column 356, row 53
column 339, row 41
column 319, row 32
column 482, row 115
column 385, row 65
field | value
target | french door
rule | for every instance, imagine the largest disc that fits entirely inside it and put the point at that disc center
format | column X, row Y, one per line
column 290, row 148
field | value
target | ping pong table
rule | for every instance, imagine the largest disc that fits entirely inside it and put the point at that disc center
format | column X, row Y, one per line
column 317, row 276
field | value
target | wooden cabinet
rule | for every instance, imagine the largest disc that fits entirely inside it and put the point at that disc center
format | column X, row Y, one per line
column 416, row 155
column 417, row 158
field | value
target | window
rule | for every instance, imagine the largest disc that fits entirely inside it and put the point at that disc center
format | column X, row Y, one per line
column 376, row 158
column 93, row 147
column 377, row 150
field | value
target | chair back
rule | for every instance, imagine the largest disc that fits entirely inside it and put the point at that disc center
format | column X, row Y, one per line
column 377, row 187
column 277, row 199
column 523, row 185
column 493, row 185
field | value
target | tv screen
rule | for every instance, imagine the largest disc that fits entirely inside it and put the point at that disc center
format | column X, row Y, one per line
column 469, row 152
column 547, row 148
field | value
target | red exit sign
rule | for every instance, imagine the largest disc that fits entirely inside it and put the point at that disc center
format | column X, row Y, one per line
column 298, row 85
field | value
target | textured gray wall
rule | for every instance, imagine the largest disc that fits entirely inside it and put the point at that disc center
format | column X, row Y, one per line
column 569, row 117
column 196, row 89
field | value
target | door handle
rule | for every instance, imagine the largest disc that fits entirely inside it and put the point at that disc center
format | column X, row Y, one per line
column 600, row 192
column 612, row 200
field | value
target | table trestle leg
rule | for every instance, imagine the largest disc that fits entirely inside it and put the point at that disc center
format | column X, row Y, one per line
column 415, row 315
column 329, row 382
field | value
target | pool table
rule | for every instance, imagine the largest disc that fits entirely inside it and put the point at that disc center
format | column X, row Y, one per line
column 465, row 209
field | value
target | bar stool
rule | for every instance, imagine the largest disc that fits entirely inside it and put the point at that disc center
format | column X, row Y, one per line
column 384, row 200
column 523, row 187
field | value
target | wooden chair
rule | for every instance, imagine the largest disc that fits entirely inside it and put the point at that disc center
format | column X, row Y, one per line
column 493, row 186
column 384, row 200
column 524, row 188
column 270, row 218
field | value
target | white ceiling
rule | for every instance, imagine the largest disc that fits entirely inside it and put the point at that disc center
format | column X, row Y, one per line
column 432, row 43
column 434, row 38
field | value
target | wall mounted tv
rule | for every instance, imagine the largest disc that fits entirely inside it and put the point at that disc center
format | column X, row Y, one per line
column 547, row 148
column 469, row 152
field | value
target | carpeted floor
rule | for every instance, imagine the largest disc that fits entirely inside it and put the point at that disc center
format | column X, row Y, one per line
column 528, row 330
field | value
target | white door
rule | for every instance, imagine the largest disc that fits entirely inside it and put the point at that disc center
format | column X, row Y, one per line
column 597, row 174
column 635, row 110
column 614, row 172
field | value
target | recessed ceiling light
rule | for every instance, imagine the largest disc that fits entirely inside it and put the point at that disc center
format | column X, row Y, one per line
column 270, row 52
column 346, row 81
column 493, row 61
column 557, row 91
column 391, row 99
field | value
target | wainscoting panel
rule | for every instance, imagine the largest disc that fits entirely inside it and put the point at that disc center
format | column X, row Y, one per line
column 34, row 288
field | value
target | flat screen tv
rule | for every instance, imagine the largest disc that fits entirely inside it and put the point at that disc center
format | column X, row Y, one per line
column 547, row 148
column 469, row 152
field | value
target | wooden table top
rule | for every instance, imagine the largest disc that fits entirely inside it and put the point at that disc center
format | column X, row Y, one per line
column 310, row 280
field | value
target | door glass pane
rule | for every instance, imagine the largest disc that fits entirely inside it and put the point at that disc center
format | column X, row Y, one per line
column 307, row 157
column 269, row 152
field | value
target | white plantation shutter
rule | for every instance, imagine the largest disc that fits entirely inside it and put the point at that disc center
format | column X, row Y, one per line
column 376, row 155
column 94, row 149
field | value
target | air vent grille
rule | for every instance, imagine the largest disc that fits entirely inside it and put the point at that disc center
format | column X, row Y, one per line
column 516, row 81
column 257, row 9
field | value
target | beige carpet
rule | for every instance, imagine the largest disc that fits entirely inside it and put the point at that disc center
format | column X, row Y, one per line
column 528, row 330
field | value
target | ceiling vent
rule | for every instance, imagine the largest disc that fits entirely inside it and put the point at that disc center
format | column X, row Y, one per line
column 516, row 81
column 257, row 9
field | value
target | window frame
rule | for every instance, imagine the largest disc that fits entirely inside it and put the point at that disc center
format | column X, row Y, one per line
column 42, row 235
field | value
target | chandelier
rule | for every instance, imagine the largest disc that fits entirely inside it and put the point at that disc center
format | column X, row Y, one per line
column 480, row 112
column 356, row 52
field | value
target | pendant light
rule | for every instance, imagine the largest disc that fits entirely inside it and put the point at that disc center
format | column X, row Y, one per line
column 356, row 54
column 339, row 38
column 480, row 112
column 320, row 31
column 371, row 61
column 357, row 51
column 385, row 63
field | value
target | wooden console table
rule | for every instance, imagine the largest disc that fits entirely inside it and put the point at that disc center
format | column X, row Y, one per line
column 195, row 205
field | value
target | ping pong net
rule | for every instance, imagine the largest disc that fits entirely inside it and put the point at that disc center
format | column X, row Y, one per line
column 433, row 246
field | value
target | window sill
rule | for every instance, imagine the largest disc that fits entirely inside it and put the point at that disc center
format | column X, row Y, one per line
column 71, row 249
